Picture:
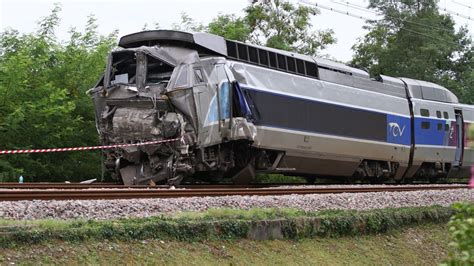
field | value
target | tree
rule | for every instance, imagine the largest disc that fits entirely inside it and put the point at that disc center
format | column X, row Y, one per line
column 273, row 23
column 230, row 27
column 44, row 104
column 282, row 25
column 461, row 228
column 188, row 24
column 414, row 40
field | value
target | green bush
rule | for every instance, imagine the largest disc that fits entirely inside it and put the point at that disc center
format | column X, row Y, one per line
column 461, row 227
column 223, row 224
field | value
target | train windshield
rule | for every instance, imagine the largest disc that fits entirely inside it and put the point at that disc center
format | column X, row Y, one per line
column 131, row 67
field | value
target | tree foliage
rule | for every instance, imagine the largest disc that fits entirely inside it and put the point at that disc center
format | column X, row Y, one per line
column 274, row 23
column 283, row 25
column 230, row 27
column 415, row 40
column 44, row 104
column 461, row 227
column 187, row 23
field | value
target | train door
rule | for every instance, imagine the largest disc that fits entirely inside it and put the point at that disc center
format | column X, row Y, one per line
column 459, row 131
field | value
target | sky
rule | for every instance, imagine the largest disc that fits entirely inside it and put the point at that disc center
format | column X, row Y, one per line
column 131, row 16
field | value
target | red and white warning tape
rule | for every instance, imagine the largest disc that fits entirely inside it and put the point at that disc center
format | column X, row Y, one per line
column 88, row 148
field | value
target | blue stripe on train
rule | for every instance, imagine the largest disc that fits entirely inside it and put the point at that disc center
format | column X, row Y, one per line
column 311, row 115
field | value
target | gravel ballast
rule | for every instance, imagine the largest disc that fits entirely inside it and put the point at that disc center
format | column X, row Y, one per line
column 110, row 209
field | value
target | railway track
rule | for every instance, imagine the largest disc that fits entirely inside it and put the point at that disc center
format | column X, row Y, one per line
column 119, row 186
column 104, row 192
column 49, row 185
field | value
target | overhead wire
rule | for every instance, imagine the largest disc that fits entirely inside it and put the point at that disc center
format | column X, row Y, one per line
column 347, row 13
column 354, row 6
column 461, row 4
column 345, row 3
column 457, row 14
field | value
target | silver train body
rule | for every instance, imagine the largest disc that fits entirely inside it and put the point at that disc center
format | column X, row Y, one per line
column 236, row 109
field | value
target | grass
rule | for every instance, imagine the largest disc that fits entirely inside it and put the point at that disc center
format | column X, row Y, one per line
column 417, row 245
column 279, row 178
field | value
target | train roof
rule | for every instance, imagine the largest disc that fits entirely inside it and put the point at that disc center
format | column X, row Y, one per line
column 304, row 65
column 429, row 91
column 202, row 42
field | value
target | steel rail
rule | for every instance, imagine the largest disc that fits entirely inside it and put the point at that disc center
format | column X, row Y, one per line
column 11, row 185
column 113, row 193
column 115, row 185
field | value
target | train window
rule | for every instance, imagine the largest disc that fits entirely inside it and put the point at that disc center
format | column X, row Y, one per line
column 311, row 69
column 438, row 114
column 263, row 57
column 440, row 126
column 253, row 54
column 291, row 64
column 446, row 116
column 243, row 54
column 281, row 62
column 231, row 49
column 446, row 127
column 273, row 61
column 157, row 71
column 182, row 80
column 425, row 112
column 425, row 125
column 123, row 68
column 198, row 76
column 300, row 66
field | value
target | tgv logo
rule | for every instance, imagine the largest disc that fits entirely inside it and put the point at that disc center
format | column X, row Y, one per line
column 395, row 129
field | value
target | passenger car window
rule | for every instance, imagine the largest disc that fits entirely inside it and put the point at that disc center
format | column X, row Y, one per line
column 446, row 116
column 440, row 126
column 424, row 112
column 438, row 114
column 446, row 127
column 425, row 125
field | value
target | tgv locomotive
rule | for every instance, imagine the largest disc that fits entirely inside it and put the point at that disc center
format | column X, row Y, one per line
column 232, row 110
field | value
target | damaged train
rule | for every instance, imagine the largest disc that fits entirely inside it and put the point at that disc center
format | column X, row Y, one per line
column 233, row 110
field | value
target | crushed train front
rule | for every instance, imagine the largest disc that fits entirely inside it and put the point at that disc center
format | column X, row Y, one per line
column 132, row 106
column 167, row 92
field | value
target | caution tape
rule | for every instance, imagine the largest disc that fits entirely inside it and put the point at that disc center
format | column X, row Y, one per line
column 87, row 148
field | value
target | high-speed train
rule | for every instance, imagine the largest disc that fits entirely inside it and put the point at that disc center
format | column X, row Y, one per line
column 232, row 110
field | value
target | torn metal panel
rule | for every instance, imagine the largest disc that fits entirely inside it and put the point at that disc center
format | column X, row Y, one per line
column 108, row 70
column 243, row 129
column 134, row 123
column 141, row 71
column 183, row 100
